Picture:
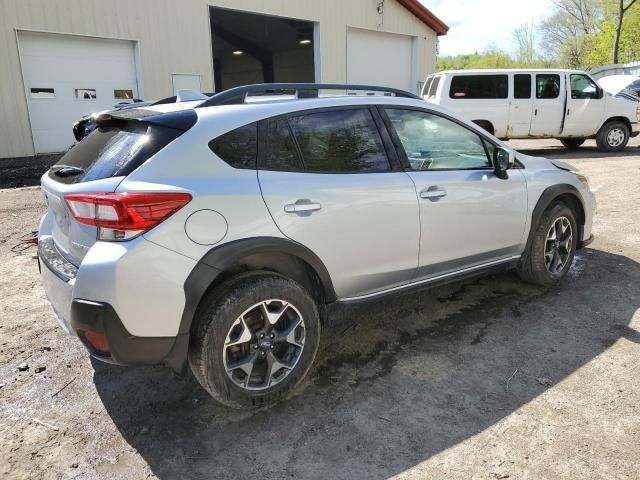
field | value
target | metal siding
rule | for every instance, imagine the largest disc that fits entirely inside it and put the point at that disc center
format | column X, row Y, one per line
column 174, row 37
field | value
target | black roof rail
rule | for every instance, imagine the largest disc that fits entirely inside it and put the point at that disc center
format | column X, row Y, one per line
column 238, row 95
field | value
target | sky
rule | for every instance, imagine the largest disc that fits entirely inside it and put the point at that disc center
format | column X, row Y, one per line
column 475, row 24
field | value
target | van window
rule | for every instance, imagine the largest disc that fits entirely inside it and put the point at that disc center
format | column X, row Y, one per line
column 433, row 88
column 583, row 87
column 547, row 85
column 522, row 85
column 340, row 141
column 479, row 86
column 427, row 84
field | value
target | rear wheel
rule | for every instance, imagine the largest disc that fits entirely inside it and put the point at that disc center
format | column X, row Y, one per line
column 572, row 143
column 552, row 248
column 613, row 137
column 254, row 340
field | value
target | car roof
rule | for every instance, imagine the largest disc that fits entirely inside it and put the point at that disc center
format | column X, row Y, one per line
column 489, row 71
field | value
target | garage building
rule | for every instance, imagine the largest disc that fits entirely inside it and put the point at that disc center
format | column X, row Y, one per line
column 64, row 59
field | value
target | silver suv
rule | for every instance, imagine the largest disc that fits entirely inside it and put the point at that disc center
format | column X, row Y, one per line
column 217, row 232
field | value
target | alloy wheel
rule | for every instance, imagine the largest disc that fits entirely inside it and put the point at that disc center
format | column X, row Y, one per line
column 557, row 249
column 264, row 344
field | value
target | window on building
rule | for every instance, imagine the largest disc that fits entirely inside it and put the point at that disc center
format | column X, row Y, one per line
column 85, row 94
column 238, row 147
column 41, row 93
column 340, row 141
column 479, row 86
column 123, row 94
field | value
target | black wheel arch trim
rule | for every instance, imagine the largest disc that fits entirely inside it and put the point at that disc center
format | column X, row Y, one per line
column 548, row 196
column 236, row 257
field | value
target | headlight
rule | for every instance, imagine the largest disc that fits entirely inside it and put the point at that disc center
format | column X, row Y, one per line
column 583, row 179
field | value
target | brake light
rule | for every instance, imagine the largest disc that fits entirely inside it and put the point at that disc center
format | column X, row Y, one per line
column 123, row 216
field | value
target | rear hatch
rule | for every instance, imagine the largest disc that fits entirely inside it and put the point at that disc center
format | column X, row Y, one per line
column 121, row 143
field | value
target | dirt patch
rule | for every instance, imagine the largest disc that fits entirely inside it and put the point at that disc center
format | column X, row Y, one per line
column 25, row 171
column 489, row 378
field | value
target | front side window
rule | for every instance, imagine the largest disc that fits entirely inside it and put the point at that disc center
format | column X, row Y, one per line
column 339, row 141
column 522, row 85
column 432, row 142
column 238, row 147
column 547, row 85
column 433, row 88
column 479, row 86
column 583, row 87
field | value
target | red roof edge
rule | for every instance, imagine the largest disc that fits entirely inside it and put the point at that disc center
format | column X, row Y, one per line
column 425, row 16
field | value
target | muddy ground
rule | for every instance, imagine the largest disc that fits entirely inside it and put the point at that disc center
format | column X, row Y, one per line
column 486, row 379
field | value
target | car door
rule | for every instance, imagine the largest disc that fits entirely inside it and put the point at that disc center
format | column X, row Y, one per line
column 585, row 106
column 520, row 106
column 548, row 105
column 469, row 216
column 328, row 183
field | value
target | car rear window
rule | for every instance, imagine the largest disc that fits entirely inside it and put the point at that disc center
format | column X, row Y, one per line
column 238, row 147
column 479, row 86
column 111, row 151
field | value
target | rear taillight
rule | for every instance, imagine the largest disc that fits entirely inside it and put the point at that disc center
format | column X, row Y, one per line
column 123, row 216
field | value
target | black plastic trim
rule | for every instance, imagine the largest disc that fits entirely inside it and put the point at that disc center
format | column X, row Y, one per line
column 125, row 349
column 548, row 196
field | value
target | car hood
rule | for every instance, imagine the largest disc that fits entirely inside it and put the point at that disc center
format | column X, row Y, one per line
column 614, row 84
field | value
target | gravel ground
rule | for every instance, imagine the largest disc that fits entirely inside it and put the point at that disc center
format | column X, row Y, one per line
column 486, row 379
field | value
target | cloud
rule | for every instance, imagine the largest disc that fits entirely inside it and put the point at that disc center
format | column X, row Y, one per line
column 476, row 24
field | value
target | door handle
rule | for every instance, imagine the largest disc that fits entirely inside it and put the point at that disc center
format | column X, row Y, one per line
column 432, row 193
column 302, row 206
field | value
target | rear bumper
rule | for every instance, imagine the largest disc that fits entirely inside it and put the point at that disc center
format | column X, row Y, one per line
column 124, row 348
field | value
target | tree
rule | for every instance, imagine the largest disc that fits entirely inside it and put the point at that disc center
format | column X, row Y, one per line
column 565, row 33
column 525, row 40
column 622, row 9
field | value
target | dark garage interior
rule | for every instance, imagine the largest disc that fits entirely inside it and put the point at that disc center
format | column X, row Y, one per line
column 252, row 48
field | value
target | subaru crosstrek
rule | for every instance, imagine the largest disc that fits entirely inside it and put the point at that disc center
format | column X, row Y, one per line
column 216, row 233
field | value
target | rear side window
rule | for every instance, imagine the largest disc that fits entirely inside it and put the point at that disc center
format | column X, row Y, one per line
column 427, row 84
column 111, row 151
column 479, row 86
column 278, row 150
column 339, row 141
column 547, row 85
column 522, row 85
column 238, row 147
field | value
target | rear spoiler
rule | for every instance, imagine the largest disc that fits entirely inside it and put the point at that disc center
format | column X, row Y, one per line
column 179, row 120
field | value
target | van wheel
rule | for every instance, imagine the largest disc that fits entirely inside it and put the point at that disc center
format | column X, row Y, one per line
column 552, row 248
column 485, row 124
column 613, row 137
column 254, row 340
column 572, row 143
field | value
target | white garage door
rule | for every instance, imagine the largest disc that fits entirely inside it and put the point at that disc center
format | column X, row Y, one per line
column 378, row 58
column 68, row 76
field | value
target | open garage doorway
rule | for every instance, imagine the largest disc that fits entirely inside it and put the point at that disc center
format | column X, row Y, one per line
column 253, row 48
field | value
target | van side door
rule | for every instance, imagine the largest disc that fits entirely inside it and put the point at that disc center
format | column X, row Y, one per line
column 520, row 106
column 548, row 105
column 585, row 106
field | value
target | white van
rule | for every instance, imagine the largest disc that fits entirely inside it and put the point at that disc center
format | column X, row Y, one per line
column 564, row 104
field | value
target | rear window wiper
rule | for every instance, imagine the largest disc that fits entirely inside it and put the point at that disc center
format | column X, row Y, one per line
column 66, row 170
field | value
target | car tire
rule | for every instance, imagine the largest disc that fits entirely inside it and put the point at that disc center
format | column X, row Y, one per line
column 233, row 334
column 549, row 256
column 612, row 137
column 572, row 143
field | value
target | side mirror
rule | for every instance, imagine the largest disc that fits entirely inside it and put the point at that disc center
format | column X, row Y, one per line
column 503, row 160
column 600, row 92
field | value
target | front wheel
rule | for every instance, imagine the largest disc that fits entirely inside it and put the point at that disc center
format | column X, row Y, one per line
column 552, row 247
column 254, row 340
column 613, row 137
column 572, row 143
